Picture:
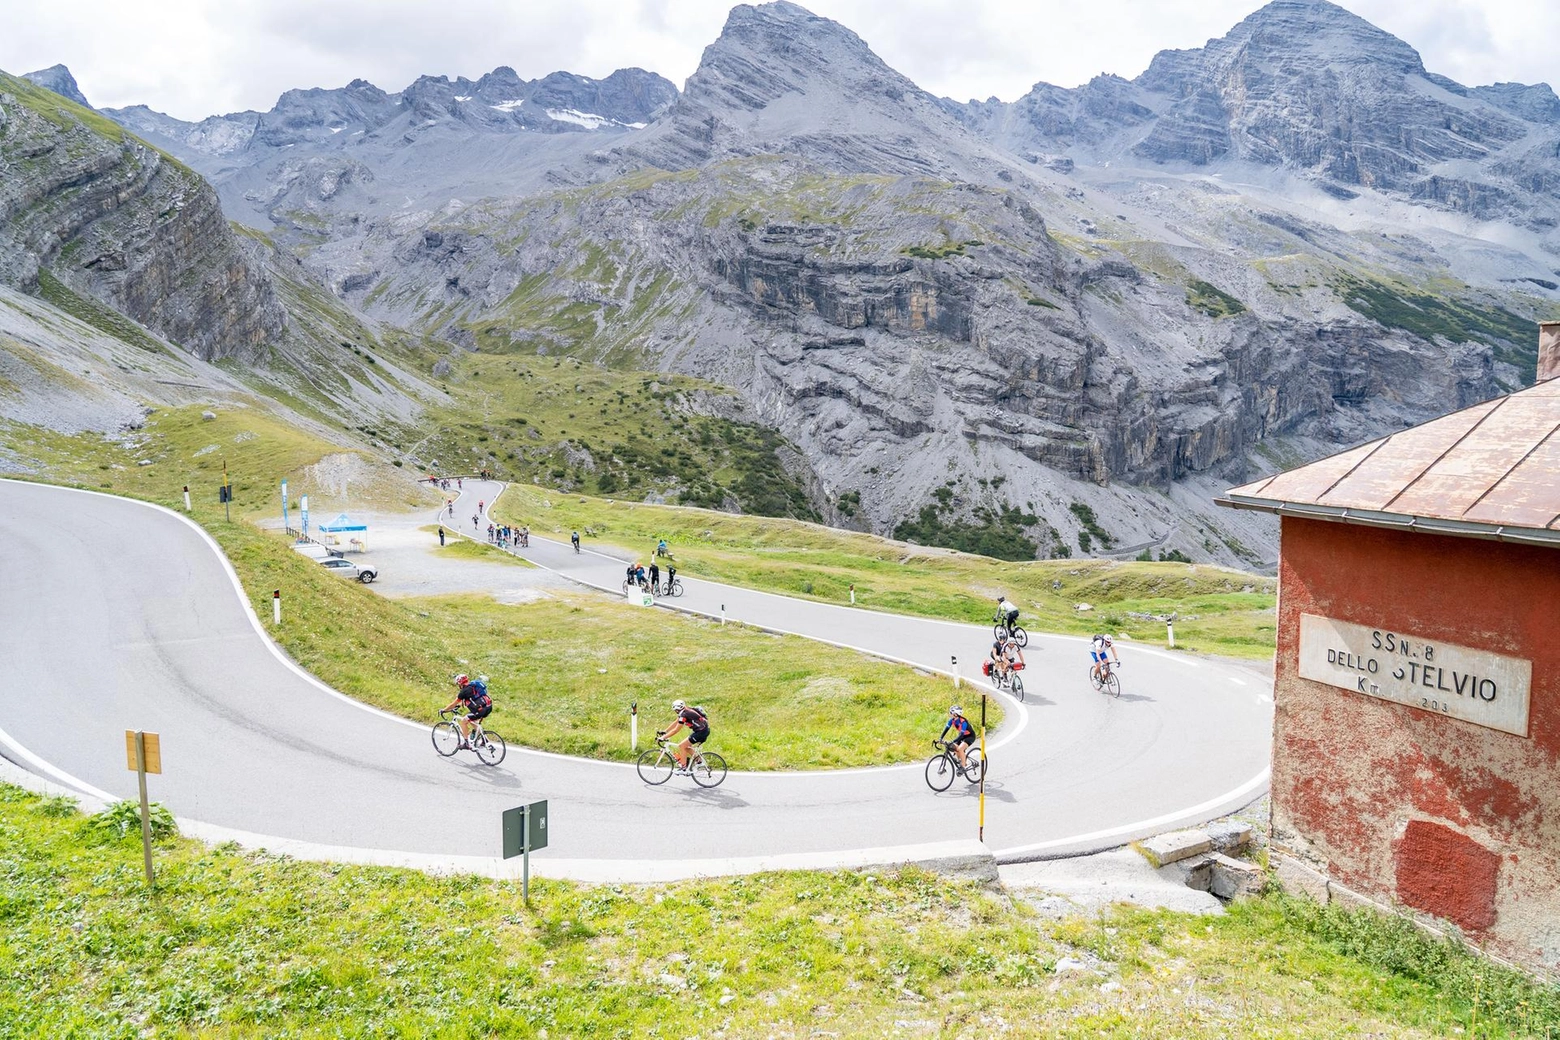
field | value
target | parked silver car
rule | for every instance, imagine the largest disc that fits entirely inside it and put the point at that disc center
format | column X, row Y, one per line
column 363, row 572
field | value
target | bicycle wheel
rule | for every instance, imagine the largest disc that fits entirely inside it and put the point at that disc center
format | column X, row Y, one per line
column 709, row 769
column 939, row 772
column 677, row 588
column 446, row 738
column 976, row 767
column 492, row 749
column 1094, row 679
column 1020, row 637
column 1018, row 687
column 1113, row 684
column 999, row 631
column 655, row 766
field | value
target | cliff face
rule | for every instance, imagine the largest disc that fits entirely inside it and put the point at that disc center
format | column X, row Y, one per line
column 86, row 207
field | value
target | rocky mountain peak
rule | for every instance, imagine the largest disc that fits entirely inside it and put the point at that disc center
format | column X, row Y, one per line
column 769, row 51
column 58, row 79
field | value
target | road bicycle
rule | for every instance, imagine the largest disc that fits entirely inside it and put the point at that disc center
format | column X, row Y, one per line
column 488, row 747
column 657, row 765
column 1009, row 680
column 667, row 588
column 1106, row 681
column 1004, row 632
column 942, row 767
column 643, row 586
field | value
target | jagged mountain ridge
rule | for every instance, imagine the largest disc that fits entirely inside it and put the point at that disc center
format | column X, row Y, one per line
column 896, row 284
column 498, row 102
column 1305, row 85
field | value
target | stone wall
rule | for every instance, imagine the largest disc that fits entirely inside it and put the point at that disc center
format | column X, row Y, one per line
column 1443, row 817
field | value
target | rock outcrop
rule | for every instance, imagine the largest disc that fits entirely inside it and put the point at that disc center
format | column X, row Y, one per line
column 87, row 210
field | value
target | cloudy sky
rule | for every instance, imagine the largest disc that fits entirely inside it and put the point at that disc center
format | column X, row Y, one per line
column 193, row 58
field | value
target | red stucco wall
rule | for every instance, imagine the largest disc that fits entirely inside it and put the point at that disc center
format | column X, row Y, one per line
column 1409, row 807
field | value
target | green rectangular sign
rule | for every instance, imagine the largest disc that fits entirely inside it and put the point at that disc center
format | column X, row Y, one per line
column 517, row 821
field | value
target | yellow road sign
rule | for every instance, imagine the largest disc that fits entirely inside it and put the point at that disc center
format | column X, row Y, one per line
column 152, row 749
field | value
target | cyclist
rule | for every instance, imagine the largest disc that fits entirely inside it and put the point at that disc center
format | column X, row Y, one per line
column 574, row 538
column 698, row 732
column 1007, row 612
column 655, row 576
column 671, row 575
column 1005, row 655
column 964, row 734
column 472, row 694
column 1099, row 647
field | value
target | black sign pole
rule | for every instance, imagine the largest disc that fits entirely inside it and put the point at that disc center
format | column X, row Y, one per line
column 525, row 860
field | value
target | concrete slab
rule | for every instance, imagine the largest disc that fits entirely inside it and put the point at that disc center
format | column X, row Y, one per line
column 1065, row 887
column 1233, row 878
column 1162, row 849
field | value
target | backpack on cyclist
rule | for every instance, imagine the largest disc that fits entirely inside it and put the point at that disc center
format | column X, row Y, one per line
column 704, row 716
column 476, row 694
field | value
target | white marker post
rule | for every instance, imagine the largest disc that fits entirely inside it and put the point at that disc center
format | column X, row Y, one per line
column 186, row 498
column 955, row 673
column 1170, row 631
column 853, row 594
column 276, row 607
column 723, row 613
column 633, row 726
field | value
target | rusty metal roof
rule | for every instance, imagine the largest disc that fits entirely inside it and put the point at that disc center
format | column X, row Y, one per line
column 1490, row 471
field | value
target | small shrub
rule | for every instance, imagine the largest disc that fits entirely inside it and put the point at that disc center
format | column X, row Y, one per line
column 124, row 818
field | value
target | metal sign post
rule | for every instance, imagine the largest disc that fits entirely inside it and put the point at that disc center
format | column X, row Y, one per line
column 982, row 832
column 525, row 829
column 143, row 753
column 227, row 493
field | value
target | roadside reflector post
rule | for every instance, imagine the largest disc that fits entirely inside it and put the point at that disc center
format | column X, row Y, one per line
column 186, row 498
column 1170, row 631
column 633, row 726
column 723, row 613
column 143, row 753
column 955, row 672
column 276, row 607
column 981, row 833
column 853, row 594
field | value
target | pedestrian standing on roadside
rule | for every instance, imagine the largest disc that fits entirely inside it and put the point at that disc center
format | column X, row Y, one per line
column 441, row 536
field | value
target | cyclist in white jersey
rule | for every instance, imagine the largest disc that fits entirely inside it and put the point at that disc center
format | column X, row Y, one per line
column 1099, row 647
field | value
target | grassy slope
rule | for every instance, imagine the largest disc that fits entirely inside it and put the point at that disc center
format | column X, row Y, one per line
column 1216, row 614
column 570, row 665
column 533, row 418
column 240, row 946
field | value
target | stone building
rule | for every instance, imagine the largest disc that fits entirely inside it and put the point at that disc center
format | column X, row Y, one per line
column 1416, row 750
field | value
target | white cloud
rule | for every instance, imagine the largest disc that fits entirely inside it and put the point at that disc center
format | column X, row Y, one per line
column 196, row 57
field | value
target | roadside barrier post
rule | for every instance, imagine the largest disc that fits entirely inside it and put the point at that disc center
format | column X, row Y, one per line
column 633, row 726
column 981, row 834
column 276, row 607
column 143, row 753
column 955, row 672
column 186, row 498
column 1170, row 631
column 853, row 594
column 723, row 613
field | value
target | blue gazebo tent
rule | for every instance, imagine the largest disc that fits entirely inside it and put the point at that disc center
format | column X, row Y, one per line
column 357, row 533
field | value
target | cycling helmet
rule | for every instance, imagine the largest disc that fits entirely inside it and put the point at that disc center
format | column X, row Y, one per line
column 955, row 710
column 462, row 679
column 678, row 705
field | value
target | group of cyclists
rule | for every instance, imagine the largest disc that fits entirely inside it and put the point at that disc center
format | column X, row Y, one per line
column 651, row 578
column 1006, row 656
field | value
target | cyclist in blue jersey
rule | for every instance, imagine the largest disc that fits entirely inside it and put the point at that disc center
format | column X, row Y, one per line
column 964, row 734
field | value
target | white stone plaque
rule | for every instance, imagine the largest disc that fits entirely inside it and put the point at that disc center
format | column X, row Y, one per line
column 1472, row 685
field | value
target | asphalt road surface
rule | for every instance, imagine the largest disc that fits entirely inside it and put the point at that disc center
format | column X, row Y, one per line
column 117, row 615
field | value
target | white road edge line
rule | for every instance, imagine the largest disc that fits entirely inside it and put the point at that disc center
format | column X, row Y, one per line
column 1242, row 795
